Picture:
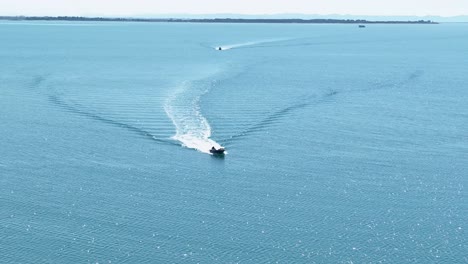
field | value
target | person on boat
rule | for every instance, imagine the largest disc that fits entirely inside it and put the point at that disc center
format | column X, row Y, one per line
column 213, row 148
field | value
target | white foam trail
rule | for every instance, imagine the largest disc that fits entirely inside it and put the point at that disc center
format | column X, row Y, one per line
column 192, row 128
column 250, row 43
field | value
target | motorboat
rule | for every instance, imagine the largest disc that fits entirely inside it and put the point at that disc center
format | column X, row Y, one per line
column 362, row 26
column 215, row 151
column 219, row 48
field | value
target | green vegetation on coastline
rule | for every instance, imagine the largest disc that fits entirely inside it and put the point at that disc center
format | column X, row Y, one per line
column 214, row 20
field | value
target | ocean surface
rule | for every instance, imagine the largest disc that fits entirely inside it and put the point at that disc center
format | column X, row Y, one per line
column 345, row 144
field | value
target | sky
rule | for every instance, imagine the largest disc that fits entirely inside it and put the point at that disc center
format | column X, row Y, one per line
column 260, row 7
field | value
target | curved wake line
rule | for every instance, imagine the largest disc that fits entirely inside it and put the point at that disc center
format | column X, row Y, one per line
column 192, row 128
column 54, row 99
column 313, row 99
column 249, row 43
column 276, row 116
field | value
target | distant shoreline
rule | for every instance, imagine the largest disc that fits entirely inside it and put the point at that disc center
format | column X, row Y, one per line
column 210, row 20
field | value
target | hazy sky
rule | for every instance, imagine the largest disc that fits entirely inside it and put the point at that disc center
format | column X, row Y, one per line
column 149, row 7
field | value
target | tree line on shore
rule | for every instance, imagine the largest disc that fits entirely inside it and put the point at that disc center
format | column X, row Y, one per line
column 213, row 20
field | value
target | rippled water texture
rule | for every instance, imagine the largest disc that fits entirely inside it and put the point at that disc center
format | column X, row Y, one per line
column 345, row 145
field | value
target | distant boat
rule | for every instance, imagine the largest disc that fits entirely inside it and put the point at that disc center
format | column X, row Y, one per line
column 219, row 48
column 362, row 26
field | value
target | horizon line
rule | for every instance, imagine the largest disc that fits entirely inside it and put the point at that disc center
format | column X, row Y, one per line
column 226, row 14
column 221, row 20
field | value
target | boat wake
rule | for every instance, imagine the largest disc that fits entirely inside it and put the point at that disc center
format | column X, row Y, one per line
column 80, row 110
column 79, row 107
column 248, row 44
column 183, row 108
column 313, row 99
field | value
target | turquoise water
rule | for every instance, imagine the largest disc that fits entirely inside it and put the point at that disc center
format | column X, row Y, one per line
column 345, row 145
